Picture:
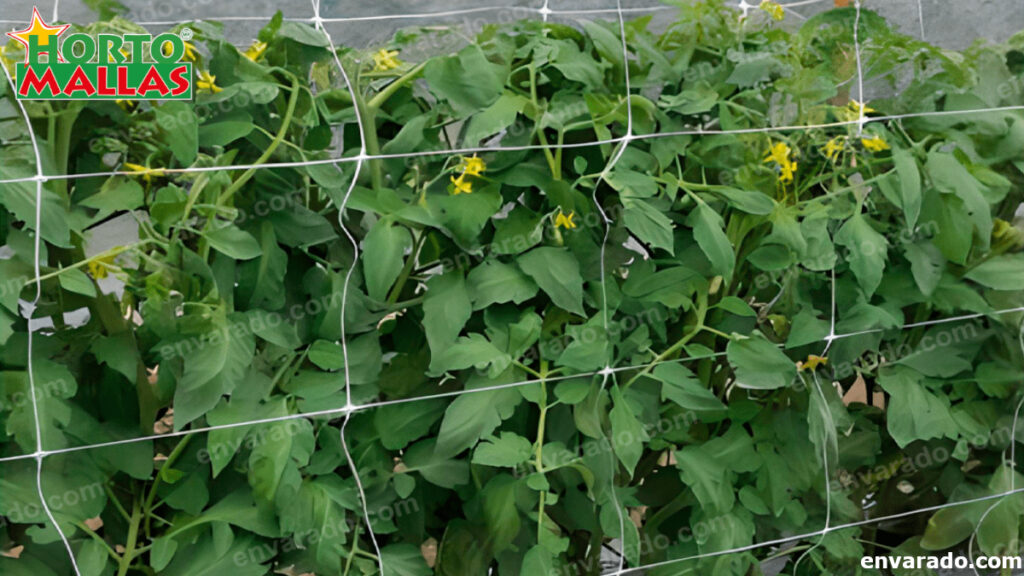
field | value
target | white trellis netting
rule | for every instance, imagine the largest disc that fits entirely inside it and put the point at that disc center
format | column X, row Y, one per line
column 328, row 19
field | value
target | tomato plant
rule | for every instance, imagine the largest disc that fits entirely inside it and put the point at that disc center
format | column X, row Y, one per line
column 547, row 292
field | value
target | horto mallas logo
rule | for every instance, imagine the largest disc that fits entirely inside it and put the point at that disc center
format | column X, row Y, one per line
column 100, row 67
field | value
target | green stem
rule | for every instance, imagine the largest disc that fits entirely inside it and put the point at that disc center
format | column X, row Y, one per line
column 702, row 310
column 286, row 122
column 539, row 449
column 81, row 526
column 406, row 270
column 182, row 444
column 106, row 254
column 352, row 552
column 117, row 503
column 556, row 169
column 133, row 537
column 384, row 95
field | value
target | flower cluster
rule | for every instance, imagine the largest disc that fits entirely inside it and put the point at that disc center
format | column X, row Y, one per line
column 779, row 153
column 471, row 166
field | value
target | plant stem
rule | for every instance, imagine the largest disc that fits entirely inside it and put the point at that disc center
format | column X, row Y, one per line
column 539, row 449
column 81, row 526
column 112, row 252
column 182, row 444
column 556, row 169
column 702, row 311
column 286, row 122
column 133, row 537
column 396, row 291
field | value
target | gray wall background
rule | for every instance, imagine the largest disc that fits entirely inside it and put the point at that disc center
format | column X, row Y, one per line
column 949, row 23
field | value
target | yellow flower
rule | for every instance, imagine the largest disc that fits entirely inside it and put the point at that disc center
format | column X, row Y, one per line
column 255, row 51
column 206, row 81
column 191, row 52
column 834, row 146
column 774, row 9
column 7, row 57
column 462, row 186
column 147, row 173
column 779, row 154
column 472, row 166
column 565, row 221
column 126, row 105
column 99, row 268
column 853, row 111
column 385, row 60
column 874, row 144
column 859, row 108
column 813, row 362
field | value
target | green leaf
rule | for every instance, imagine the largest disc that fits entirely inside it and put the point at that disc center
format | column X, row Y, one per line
column 679, row 385
column 494, row 282
column 117, row 194
column 500, row 511
column 701, row 97
column 383, row 256
column 303, row 34
column 470, row 351
column 734, row 305
column 518, row 232
column 506, row 451
column 648, row 223
column 234, row 243
column 440, row 471
column 446, row 309
column 110, row 350
column 926, row 264
column 327, row 355
column 181, row 130
column 708, row 478
column 709, row 231
column 759, row 364
column 404, row 560
column 400, row 424
column 92, row 558
column 537, row 560
column 284, row 445
column 910, row 185
column 74, row 280
column 576, row 65
column 748, row 201
column 473, row 416
column 495, row 118
column 1003, row 272
column 467, row 81
column 557, row 273
column 914, row 413
column 215, row 362
column 206, row 558
column 933, row 358
column 261, row 281
column 628, row 434
column 867, row 251
column 951, row 177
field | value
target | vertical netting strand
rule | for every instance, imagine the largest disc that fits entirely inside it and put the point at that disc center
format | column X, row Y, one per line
column 318, row 22
column 40, row 454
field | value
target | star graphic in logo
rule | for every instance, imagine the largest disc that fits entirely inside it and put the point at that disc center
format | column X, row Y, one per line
column 41, row 30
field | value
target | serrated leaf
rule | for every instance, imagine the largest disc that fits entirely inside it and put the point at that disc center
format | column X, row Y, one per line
column 383, row 257
column 558, row 275
column 759, row 364
column 234, row 242
column 709, row 231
